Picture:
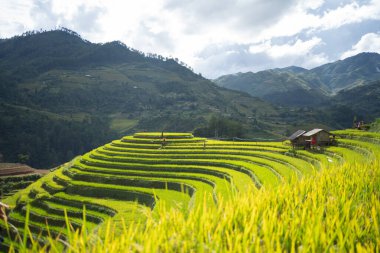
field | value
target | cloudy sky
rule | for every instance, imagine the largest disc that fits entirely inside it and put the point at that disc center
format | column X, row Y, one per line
column 214, row 37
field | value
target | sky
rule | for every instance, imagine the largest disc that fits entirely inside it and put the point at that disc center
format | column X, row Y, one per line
column 214, row 37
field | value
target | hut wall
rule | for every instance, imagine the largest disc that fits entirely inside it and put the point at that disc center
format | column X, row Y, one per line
column 323, row 137
column 300, row 141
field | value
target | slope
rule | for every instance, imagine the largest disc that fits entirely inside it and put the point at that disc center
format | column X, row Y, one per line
column 365, row 100
column 59, row 77
column 128, row 178
column 280, row 86
column 295, row 86
column 350, row 72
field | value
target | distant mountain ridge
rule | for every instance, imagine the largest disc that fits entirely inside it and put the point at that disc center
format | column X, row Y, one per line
column 352, row 71
column 365, row 99
column 61, row 95
column 295, row 86
column 65, row 49
column 278, row 86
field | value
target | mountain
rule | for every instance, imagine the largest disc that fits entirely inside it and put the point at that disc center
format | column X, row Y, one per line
column 62, row 73
column 295, row 86
column 292, row 69
column 286, row 86
column 350, row 72
column 61, row 95
column 364, row 100
column 41, row 52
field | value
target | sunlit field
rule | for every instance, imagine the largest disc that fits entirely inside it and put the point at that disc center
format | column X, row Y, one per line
column 155, row 192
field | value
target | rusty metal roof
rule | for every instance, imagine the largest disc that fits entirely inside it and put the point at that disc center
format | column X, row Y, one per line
column 314, row 131
column 297, row 134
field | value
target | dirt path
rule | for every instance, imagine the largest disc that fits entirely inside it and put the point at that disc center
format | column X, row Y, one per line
column 12, row 169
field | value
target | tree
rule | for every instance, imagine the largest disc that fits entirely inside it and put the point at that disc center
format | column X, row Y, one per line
column 221, row 127
column 23, row 158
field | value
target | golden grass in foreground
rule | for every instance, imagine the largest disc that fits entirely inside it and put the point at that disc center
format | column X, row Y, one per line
column 337, row 210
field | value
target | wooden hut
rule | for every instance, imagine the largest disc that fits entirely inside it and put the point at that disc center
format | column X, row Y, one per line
column 297, row 138
column 321, row 136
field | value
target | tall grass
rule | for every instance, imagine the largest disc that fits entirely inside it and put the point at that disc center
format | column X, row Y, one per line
column 338, row 209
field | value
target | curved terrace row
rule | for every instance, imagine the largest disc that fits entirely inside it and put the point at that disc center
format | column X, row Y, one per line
column 125, row 177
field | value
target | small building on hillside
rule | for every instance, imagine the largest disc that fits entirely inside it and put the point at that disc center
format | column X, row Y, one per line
column 320, row 136
column 297, row 138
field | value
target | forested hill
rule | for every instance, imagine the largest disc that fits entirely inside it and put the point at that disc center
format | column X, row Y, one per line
column 61, row 95
column 32, row 54
column 295, row 86
column 350, row 72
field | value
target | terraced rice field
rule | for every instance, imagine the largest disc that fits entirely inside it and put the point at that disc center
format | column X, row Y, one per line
column 126, row 178
column 14, row 169
column 16, row 176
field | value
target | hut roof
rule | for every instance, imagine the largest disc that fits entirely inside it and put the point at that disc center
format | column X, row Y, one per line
column 314, row 131
column 297, row 134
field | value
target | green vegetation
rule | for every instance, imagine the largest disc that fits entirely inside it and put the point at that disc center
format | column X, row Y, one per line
column 61, row 96
column 45, row 140
column 221, row 127
column 330, row 95
column 349, row 82
column 226, row 194
column 67, row 96
column 375, row 126
column 122, row 125
column 10, row 185
column 336, row 211
column 16, row 176
column 279, row 86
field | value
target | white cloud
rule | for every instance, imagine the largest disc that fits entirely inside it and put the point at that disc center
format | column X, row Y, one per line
column 299, row 19
column 350, row 13
column 219, row 59
column 292, row 52
column 14, row 18
column 188, row 29
column 300, row 47
column 369, row 42
column 312, row 4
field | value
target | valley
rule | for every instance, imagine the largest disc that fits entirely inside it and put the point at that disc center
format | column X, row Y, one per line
column 105, row 148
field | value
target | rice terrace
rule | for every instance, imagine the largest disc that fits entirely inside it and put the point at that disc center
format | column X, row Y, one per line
column 173, row 192
column 189, row 126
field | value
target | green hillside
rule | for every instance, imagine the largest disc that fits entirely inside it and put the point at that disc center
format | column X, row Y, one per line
column 365, row 100
column 332, row 94
column 350, row 72
column 16, row 176
column 375, row 126
column 56, row 87
column 279, row 86
column 320, row 86
column 126, row 178
column 61, row 96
